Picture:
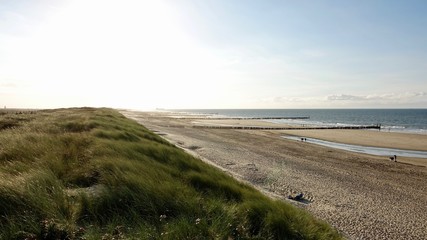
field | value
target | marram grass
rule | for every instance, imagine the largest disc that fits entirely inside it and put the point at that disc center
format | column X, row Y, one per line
column 93, row 174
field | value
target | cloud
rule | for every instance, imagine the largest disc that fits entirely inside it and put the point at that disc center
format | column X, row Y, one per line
column 288, row 99
column 345, row 97
column 7, row 85
column 420, row 94
column 405, row 96
column 404, row 99
column 289, row 102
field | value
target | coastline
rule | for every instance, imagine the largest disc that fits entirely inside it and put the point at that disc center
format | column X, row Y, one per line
column 363, row 196
column 368, row 138
column 391, row 120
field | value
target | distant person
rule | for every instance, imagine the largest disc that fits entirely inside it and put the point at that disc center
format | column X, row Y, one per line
column 298, row 197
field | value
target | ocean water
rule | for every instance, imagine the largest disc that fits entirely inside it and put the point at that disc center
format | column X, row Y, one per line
column 394, row 120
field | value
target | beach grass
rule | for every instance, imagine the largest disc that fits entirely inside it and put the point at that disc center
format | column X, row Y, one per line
column 86, row 173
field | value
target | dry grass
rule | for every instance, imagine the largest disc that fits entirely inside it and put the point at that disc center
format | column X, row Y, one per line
column 91, row 173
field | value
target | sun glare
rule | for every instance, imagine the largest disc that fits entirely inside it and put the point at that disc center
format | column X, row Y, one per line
column 110, row 53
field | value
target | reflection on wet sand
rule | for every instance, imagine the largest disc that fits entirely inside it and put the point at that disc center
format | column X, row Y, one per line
column 363, row 149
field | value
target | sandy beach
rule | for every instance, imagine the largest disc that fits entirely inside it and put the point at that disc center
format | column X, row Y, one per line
column 363, row 196
column 373, row 138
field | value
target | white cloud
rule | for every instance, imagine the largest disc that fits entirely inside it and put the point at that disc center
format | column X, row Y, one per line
column 345, row 97
column 7, row 85
column 405, row 99
column 405, row 96
column 289, row 102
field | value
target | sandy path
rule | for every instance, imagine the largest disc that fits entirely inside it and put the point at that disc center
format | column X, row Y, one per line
column 365, row 197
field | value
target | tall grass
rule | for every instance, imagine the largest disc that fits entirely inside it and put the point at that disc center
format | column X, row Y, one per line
column 93, row 174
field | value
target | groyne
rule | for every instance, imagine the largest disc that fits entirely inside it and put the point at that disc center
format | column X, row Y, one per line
column 287, row 128
column 243, row 118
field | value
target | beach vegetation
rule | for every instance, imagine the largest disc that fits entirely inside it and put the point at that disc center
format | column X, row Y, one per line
column 91, row 173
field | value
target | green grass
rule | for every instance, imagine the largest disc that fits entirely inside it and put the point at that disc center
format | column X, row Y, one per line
column 94, row 174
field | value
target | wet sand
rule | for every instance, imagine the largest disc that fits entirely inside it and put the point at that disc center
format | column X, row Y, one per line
column 363, row 196
column 371, row 138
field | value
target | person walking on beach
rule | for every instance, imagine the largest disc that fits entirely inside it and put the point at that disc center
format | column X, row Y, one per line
column 394, row 158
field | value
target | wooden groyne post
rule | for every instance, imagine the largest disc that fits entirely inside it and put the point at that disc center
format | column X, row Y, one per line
column 288, row 128
column 244, row 118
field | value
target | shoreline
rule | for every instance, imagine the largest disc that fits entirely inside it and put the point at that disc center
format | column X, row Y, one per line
column 363, row 196
column 362, row 137
column 388, row 119
column 392, row 153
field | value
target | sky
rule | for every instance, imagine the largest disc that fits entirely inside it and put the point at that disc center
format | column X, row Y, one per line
column 143, row 54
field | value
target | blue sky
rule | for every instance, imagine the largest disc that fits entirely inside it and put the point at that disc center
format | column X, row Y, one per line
column 213, row 54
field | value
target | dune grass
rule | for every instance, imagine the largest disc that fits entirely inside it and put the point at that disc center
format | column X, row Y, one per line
column 93, row 174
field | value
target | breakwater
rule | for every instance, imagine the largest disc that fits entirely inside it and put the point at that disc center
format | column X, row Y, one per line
column 244, row 118
column 287, row 128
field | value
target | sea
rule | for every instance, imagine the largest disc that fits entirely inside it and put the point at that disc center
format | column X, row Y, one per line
column 392, row 120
